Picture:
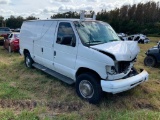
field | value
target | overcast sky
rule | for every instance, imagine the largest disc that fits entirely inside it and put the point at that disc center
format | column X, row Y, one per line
column 45, row 8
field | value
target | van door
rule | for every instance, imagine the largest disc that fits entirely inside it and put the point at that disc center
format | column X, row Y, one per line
column 48, row 37
column 65, row 49
column 36, row 29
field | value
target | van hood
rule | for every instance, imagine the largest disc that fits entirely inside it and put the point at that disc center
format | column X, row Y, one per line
column 121, row 50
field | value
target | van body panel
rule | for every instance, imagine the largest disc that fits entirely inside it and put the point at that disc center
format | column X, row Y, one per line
column 93, row 59
column 57, row 45
column 65, row 55
column 122, row 50
column 47, row 46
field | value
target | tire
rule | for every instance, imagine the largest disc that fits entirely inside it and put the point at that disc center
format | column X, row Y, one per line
column 150, row 61
column 9, row 49
column 28, row 60
column 88, row 88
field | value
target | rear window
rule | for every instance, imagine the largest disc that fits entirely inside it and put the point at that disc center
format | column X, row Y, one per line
column 4, row 29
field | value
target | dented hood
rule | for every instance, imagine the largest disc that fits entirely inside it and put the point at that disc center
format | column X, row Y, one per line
column 122, row 50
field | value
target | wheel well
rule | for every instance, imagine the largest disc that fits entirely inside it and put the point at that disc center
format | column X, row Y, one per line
column 25, row 51
column 85, row 70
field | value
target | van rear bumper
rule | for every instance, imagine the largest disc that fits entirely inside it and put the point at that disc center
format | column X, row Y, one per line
column 121, row 85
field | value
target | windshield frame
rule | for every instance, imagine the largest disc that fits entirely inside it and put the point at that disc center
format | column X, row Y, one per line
column 91, row 43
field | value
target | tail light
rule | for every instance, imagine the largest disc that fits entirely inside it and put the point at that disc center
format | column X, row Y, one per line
column 16, row 41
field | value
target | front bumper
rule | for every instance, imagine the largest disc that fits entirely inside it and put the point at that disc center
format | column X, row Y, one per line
column 121, row 85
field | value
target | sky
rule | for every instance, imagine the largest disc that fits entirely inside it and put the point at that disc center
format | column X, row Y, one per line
column 43, row 9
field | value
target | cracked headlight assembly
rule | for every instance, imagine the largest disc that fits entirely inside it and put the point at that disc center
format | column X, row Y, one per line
column 111, row 70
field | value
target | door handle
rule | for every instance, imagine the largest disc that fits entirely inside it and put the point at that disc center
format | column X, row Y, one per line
column 42, row 49
column 54, row 53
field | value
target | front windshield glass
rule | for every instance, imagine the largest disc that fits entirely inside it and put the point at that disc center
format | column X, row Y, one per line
column 93, row 32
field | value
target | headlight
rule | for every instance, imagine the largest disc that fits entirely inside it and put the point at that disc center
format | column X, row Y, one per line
column 111, row 70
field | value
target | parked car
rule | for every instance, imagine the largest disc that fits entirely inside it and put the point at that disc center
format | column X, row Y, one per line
column 12, row 42
column 81, row 51
column 153, row 56
column 17, row 30
column 5, row 31
column 122, row 36
column 140, row 38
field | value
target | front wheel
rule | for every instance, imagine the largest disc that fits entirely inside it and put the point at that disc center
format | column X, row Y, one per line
column 150, row 61
column 88, row 88
column 28, row 60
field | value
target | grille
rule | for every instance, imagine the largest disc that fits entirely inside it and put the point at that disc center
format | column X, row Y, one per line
column 123, row 66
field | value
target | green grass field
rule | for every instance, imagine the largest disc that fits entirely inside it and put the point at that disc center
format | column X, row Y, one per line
column 30, row 94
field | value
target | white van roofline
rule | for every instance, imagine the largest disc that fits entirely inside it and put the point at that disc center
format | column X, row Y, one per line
column 61, row 19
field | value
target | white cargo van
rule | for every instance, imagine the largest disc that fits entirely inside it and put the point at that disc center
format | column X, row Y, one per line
column 85, row 52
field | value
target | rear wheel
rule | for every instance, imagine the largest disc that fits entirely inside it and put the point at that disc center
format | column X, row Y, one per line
column 28, row 60
column 150, row 61
column 88, row 88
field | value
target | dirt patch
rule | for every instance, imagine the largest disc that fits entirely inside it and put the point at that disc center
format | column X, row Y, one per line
column 18, row 104
column 59, row 107
column 64, row 106
column 144, row 104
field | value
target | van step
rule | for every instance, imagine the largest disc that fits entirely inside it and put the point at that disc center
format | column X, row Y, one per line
column 53, row 73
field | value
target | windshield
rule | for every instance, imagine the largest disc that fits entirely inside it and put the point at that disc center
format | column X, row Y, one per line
column 93, row 32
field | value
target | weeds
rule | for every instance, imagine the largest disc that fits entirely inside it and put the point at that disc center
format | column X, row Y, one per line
column 31, row 94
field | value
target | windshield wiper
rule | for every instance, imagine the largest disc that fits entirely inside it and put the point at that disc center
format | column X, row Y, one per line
column 113, row 40
column 94, row 41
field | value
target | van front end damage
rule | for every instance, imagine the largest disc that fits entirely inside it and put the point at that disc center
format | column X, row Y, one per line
column 124, row 84
column 122, row 75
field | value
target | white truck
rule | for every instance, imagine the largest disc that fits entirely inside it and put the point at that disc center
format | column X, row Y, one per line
column 82, row 51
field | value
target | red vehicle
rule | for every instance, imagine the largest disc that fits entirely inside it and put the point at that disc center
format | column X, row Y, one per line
column 12, row 42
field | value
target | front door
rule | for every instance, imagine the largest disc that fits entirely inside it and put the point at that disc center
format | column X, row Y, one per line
column 65, row 49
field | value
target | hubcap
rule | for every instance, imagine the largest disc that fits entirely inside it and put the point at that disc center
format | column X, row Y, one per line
column 27, row 61
column 86, row 89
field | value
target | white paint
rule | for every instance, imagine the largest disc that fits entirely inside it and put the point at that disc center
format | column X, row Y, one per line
column 36, row 35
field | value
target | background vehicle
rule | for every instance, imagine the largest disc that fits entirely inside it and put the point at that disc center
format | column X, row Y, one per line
column 122, row 36
column 12, row 42
column 153, row 56
column 140, row 38
column 5, row 31
column 17, row 30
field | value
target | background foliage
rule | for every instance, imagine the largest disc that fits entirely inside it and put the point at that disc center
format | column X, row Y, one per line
column 137, row 18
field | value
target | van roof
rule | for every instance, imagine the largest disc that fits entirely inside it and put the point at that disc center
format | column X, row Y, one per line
column 62, row 19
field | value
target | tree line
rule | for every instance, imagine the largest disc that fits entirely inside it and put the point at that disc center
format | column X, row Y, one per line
column 137, row 18
column 14, row 22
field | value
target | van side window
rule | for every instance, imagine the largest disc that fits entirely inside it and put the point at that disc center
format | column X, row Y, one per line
column 65, row 35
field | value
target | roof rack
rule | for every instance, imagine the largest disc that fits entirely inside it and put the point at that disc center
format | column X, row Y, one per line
column 82, row 16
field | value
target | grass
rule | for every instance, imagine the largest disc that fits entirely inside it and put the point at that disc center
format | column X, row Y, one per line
column 30, row 94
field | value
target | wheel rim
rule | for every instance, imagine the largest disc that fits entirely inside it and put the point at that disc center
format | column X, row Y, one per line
column 86, row 89
column 28, row 62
